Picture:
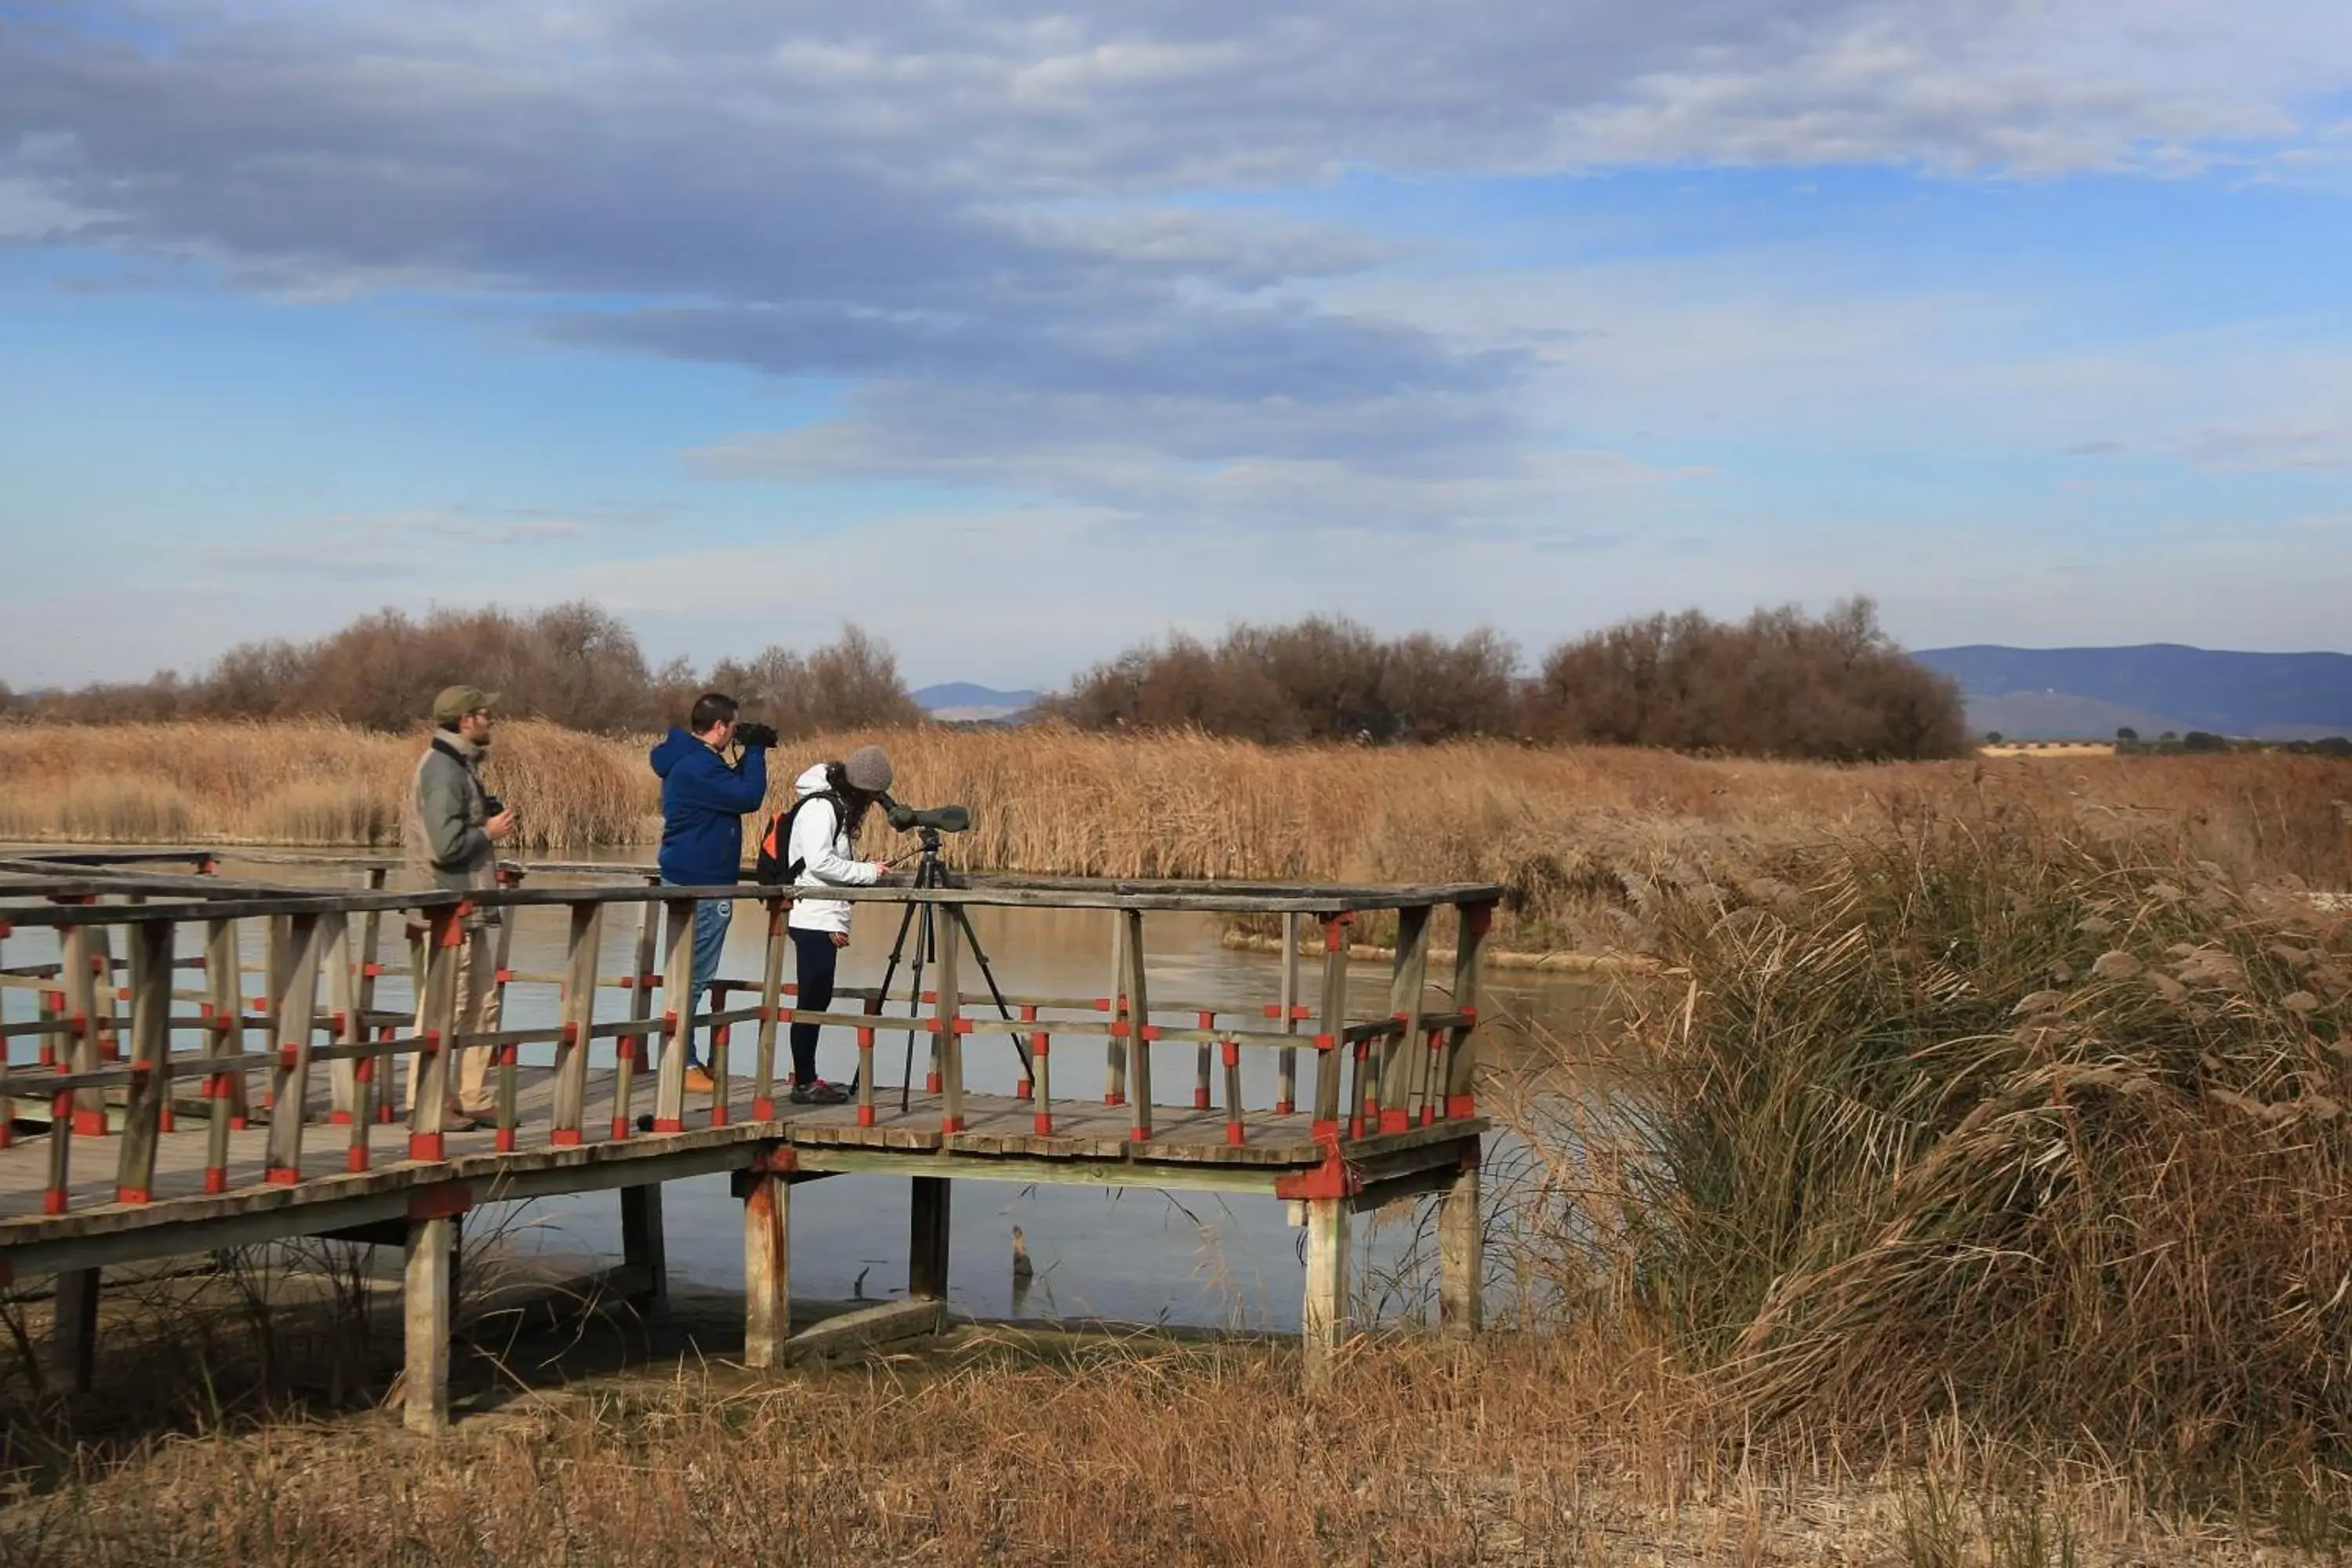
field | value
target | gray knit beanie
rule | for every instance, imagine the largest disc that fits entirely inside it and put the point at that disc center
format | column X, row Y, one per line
column 868, row 770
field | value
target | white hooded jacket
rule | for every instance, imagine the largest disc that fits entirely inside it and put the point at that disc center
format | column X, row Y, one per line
column 821, row 844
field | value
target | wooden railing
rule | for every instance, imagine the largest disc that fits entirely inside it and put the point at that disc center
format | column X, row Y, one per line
column 117, row 1033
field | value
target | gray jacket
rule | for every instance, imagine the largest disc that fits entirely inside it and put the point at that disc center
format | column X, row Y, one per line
column 442, row 838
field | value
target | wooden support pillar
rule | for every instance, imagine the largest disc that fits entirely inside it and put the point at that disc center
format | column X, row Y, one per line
column 1461, row 1255
column 767, row 1270
column 1324, row 1324
column 641, row 1241
column 926, row 1257
column 428, row 1298
column 73, row 1335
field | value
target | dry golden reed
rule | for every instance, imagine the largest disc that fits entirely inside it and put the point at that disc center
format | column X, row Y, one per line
column 1563, row 1450
column 1588, row 840
column 1994, row 1119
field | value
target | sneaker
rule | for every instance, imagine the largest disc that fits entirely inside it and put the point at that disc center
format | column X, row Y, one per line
column 818, row 1093
column 699, row 1081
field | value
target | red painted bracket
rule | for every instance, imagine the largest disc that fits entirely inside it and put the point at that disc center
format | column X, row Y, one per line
column 442, row 1200
column 1334, row 1178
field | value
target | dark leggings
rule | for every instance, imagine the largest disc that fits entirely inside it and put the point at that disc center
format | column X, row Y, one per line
column 817, row 956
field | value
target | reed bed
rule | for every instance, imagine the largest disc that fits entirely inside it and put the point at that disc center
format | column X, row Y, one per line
column 1995, row 1120
column 1591, row 842
column 1005, row 1449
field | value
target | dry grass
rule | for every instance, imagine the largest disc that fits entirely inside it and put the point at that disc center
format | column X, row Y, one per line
column 1567, row 1450
column 294, row 783
column 1590, row 841
column 2048, row 1130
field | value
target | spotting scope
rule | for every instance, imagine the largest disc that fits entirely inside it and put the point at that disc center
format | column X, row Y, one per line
column 938, row 818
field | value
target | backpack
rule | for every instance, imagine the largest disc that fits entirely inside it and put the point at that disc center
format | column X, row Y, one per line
column 772, row 870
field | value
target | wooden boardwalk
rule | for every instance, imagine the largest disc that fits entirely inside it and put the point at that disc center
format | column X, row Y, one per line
column 144, row 1129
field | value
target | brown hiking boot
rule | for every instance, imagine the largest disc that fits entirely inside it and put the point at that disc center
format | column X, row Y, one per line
column 699, row 1081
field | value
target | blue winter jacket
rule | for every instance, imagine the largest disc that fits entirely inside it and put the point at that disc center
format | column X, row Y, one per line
column 704, row 802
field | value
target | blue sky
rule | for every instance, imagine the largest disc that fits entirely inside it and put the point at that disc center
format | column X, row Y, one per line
column 1018, row 333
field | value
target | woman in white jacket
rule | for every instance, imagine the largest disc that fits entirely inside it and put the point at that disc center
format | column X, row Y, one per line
column 833, row 798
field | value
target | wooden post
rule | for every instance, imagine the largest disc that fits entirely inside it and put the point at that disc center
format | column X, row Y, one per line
column 1461, row 1067
column 771, row 1001
column 225, row 1037
column 1400, row 1052
column 1139, row 1029
column 358, row 1081
column 1461, row 1253
column 767, row 1270
column 346, row 1026
column 642, row 1246
column 80, row 987
column 1115, row 1059
column 926, row 1257
column 632, row 1046
column 1285, row 1093
column 1041, row 1069
column 873, row 1009
column 105, row 990
column 507, row 1057
column 150, row 1045
column 437, row 1019
column 1331, row 1058
column 291, row 1010
column 427, row 1292
column 1323, row 1323
column 73, row 1335
column 678, row 1002
column 947, row 1044
column 1234, row 1129
column 273, row 980
column 579, row 1006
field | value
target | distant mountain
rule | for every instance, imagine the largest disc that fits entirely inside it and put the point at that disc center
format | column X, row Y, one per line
column 2040, row 693
column 961, row 702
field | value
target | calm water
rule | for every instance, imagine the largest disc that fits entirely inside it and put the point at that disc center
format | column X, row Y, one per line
column 1133, row 1254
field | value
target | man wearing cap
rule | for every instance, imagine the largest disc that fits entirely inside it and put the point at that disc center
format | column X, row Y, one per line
column 450, row 835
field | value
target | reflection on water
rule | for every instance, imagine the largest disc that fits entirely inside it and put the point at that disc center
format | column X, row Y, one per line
column 1135, row 1254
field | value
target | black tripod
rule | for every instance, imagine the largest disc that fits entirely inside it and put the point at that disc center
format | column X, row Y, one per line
column 932, row 872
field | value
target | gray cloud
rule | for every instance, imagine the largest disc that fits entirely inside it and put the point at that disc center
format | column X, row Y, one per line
column 985, row 216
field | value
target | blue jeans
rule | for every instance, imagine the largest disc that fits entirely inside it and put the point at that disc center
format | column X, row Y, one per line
column 710, row 919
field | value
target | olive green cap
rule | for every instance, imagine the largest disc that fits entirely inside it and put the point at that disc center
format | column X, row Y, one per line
column 455, row 702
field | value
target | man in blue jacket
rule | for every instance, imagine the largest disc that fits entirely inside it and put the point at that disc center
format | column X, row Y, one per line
column 705, row 798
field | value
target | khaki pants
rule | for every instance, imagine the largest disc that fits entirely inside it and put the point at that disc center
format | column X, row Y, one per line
column 478, row 1014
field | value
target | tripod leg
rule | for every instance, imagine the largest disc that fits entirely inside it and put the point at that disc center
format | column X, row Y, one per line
column 890, row 968
column 923, row 934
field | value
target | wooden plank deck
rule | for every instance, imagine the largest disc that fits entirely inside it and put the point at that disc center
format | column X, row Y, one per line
column 999, row 1128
